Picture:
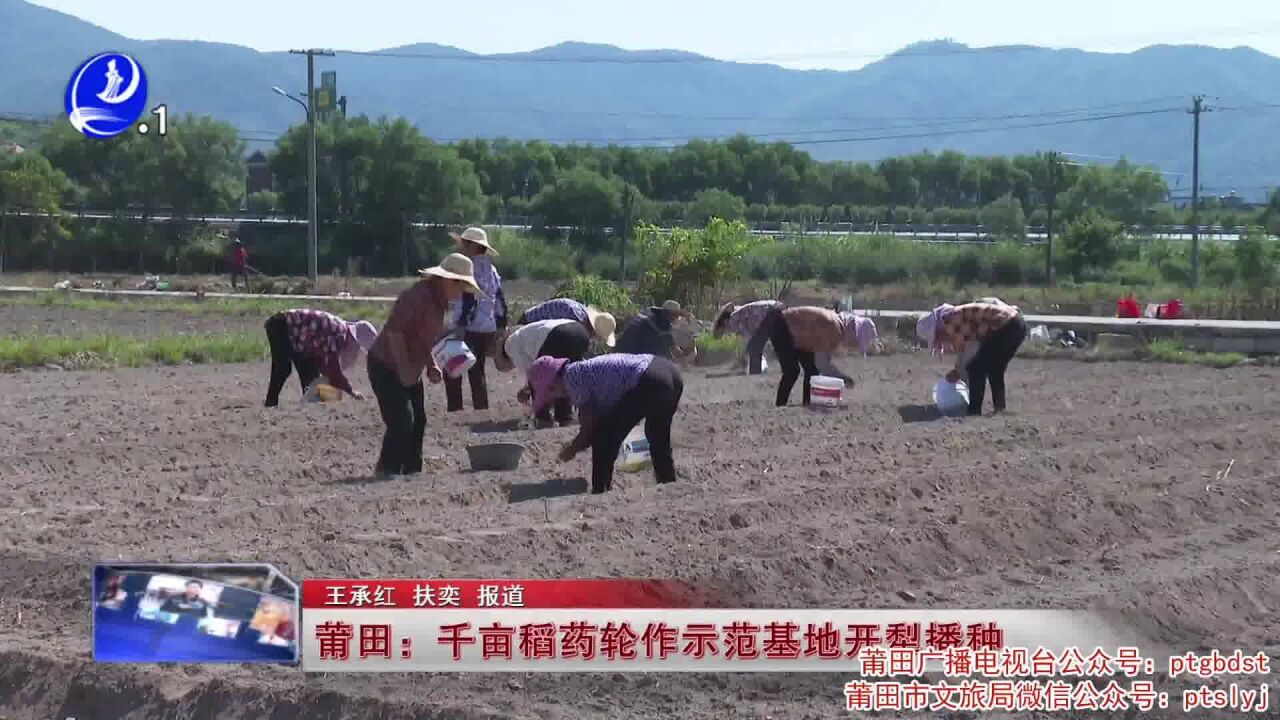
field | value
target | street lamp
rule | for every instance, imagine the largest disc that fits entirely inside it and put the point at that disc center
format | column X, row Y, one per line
column 313, row 225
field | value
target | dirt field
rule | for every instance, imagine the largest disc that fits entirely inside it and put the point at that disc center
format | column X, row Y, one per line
column 1099, row 488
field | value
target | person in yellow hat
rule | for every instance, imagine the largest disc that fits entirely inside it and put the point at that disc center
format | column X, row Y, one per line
column 477, row 318
column 654, row 332
column 402, row 351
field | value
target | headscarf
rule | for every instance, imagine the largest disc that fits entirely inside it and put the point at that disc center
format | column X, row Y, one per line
column 360, row 337
column 927, row 326
column 542, row 376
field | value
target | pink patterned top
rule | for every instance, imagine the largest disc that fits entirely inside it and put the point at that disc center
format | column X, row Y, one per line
column 321, row 336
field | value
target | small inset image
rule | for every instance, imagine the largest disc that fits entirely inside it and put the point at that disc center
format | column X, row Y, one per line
column 198, row 613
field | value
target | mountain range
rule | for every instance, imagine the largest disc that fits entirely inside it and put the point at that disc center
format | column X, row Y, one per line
column 930, row 96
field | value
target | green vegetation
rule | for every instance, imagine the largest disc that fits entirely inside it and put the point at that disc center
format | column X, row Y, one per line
column 248, row 307
column 1161, row 351
column 707, row 343
column 601, row 294
column 378, row 176
column 106, row 351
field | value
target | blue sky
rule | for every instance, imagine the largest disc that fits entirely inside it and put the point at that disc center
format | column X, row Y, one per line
column 840, row 34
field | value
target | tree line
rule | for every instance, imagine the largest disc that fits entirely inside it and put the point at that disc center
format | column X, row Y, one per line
column 377, row 175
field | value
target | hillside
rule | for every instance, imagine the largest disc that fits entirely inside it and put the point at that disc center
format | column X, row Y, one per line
column 584, row 92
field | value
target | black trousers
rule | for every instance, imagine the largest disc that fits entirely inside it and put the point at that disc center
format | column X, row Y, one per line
column 479, row 344
column 284, row 359
column 404, row 412
column 655, row 400
column 791, row 359
column 239, row 273
column 990, row 362
column 571, row 341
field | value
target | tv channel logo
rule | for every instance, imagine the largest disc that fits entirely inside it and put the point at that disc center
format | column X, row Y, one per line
column 106, row 95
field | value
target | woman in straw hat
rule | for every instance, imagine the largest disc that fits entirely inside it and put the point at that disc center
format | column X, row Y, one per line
column 418, row 319
column 478, row 318
column 985, row 337
column 601, row 324
column 314, row 343
column 748, row 322
column 566, row 339
column 613, row 393
column 653, row 332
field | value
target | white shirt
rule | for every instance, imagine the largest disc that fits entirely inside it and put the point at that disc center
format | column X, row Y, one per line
column 525, row 341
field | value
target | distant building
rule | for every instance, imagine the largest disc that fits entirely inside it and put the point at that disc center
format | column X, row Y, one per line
column 258, row 174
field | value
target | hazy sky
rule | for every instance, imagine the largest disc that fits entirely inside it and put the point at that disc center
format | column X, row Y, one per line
column 840, row 34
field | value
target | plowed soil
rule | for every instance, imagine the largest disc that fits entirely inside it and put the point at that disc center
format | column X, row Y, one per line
column 1100, row 487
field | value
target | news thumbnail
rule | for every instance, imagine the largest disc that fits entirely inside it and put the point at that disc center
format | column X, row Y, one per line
column 194, row 614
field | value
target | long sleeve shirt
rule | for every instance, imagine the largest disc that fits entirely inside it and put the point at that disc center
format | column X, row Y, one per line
column 599, row 383
column 322, row 337
column 648, row 333
column 557, row 309
column 525, row 342
column 822, row 332
column 746, row 319
column 967, row 326
column 420, row 315
column 484, row 314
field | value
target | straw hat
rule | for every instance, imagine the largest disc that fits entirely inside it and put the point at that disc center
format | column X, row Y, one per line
column 455, row 267
column 673, row 308
column 475, row 235
column 604, row 325
column 501, row 359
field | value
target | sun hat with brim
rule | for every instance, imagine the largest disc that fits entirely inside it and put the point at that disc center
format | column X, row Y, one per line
column 604, row 325
column 674, row 308
column 455, row 267
column 542, row 376
column 501, row 359
column 364, row 333
column 476, row 235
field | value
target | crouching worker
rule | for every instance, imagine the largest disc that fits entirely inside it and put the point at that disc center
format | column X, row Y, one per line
column 804, row 339
column 565, row 339
column 601, row 324
column 314, row 343
column 985, row 337
column 653, row 332
column 747, row 322
column 613, row 393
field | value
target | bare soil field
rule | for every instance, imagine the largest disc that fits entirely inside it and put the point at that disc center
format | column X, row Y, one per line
column 1098, row 489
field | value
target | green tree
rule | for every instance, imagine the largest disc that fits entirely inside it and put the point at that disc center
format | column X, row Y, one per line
column 28, row 181
column 1090, row 241
column 714, row 203
column 1004, row 219
column 691, row 266
column 1255, row 260
column 581, row 197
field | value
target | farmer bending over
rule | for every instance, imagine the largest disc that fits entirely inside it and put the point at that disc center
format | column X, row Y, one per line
column 984, row 336
column 519, row 349
column 747, row 322
column 314, row 343
column 804, row 338
column 602, row 325
column 613, row 393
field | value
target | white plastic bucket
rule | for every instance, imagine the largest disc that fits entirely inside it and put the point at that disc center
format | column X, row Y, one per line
column 826, row 391
column 453, row 357
column 635, row 450
column 951, row 399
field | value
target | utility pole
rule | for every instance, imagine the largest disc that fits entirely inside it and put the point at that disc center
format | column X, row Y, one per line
column 1050, row 199
column 313, row 222
column 1197, row 107
column 628, row 200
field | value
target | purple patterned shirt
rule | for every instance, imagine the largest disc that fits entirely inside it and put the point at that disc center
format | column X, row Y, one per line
column 557, row 309
column 747, row 318
column 320, row 336
column 599, row 383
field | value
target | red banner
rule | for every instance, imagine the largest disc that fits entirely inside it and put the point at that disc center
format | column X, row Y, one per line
column 429, row 594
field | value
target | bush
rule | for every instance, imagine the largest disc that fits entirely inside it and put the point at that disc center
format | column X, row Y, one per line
column 521, row 256
column 599, row 293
